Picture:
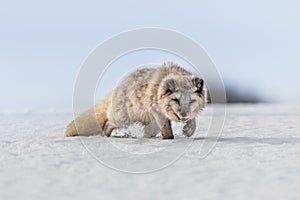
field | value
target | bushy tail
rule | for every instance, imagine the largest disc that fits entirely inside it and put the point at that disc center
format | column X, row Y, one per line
column 71, row 130
column 85, row 125
column 91, row 122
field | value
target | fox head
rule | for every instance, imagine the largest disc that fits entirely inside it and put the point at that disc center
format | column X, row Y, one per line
column 181, row 98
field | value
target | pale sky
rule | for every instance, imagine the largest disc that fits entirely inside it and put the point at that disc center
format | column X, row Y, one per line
column 255, row 44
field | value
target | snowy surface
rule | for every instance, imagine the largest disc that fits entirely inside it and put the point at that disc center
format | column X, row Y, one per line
column 256, row 157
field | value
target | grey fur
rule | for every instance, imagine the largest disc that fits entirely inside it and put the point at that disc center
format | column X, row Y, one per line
column 152, row 97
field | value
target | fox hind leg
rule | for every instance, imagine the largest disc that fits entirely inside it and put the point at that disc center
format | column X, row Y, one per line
column 108, row 128
column 151, row 130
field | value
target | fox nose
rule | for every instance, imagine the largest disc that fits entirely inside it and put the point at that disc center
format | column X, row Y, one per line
column 183, row 114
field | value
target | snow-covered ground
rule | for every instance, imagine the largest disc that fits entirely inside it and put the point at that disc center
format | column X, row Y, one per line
column 256, row 157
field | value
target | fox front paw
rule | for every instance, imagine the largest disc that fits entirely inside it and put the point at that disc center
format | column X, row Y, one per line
column 189, row 128
column 168, row 137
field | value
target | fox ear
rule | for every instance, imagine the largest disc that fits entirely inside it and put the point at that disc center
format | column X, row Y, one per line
column 198, row 83
column 170, row 86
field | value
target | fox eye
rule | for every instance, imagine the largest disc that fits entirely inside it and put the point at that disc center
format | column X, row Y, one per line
column 199, row 92
column 192, row 101
column 169, row 91
column 176, row 101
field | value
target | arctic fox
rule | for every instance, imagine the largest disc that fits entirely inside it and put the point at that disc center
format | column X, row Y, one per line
column 152, row 97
